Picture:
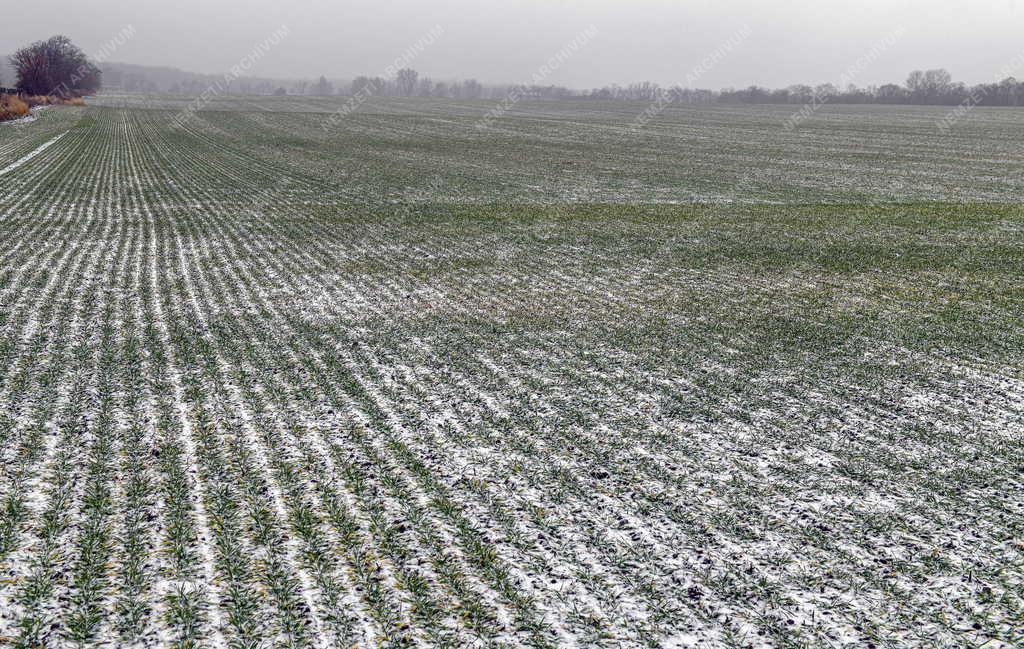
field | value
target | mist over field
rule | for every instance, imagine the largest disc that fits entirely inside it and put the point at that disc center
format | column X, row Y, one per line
column 504, row 42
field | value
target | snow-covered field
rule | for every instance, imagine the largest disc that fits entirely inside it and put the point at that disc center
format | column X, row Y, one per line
column 403, row 383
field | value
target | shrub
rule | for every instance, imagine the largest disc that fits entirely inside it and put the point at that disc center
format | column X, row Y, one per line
column 12, row 107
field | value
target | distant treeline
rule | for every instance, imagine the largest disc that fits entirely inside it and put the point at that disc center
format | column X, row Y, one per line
column 931, row 87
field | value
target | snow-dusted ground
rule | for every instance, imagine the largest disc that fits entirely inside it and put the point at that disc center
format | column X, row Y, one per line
column 28, row 156
column 239, row 407
column 414, row 150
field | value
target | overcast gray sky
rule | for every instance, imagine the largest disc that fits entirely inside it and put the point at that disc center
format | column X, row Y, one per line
column 808, row 41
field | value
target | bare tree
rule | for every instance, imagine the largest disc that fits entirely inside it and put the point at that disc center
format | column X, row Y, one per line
column 936, row 83
column 471, row 89
column 801, row 93
column 915, row 81
column 890, row 93
column 323, row 87
column 367, row 86
column 55, row 67
column 824, row 90
column 425, row 87
column 406, row 81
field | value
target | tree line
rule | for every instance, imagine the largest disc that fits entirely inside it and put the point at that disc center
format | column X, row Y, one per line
column 928, row 87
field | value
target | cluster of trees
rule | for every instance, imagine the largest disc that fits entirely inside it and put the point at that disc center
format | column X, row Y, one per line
column 406, row 83
column 143, row 78
column 409, row 83
column 55, row 67
column 930, row 87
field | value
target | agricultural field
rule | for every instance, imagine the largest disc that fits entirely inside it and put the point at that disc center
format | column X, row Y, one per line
column 416, row 150
column 560, row 383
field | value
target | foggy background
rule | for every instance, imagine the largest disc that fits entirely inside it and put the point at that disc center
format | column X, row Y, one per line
column 802, row 41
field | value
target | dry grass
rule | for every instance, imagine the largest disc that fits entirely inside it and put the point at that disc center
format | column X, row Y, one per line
column 52, row 100
column 12, row 107
column 40, row 100
column 15, row 106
